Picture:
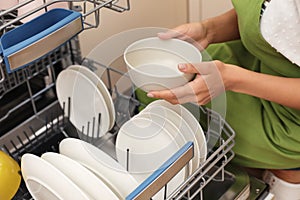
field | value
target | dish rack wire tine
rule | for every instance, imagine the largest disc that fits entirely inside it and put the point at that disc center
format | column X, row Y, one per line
column 92, row 128
column 1, row 71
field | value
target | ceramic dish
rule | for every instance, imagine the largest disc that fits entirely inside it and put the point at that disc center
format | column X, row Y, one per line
column 153, row 63
column 145, row 144
column 148, row 153
column 104, row 166
column 192, row 122
column 44, row 181
column 86, row 102
column 102, row 88
column 81, row 176
column 184, row 129
column 170, row 128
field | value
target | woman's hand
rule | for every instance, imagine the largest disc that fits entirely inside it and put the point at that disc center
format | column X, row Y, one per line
column 208, row 83
column 195, row 33
column 214, row 30
column 215, row 77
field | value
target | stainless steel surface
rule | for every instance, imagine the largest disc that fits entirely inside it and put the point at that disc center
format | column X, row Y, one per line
column 259, row 190
column 240, row 188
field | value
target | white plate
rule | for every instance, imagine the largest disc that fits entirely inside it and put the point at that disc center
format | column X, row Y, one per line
column 81, row 176
column 148, row 153
column 102, row 88
column 86, row 102
column 169, row 126
column 44, row 181
column 105, row 167
column 184, row 129
column 192, row 122
column 148, row 143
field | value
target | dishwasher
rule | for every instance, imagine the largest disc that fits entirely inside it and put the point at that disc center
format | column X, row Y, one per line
column 32, row 121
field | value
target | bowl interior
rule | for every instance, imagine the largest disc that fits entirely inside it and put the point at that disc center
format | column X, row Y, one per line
column 160, row 58
column 155, row 62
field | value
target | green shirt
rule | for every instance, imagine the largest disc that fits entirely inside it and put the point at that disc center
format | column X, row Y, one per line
column 267, row 134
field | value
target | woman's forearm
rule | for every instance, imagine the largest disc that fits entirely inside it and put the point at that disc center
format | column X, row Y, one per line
column 280, row 90
column 222, row 28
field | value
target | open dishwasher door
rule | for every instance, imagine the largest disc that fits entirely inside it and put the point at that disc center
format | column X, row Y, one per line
column 43, row 124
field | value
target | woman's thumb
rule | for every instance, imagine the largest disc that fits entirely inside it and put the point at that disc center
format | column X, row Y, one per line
column 187, row 68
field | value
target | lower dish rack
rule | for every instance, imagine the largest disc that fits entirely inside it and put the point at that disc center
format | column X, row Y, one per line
column 54, row 125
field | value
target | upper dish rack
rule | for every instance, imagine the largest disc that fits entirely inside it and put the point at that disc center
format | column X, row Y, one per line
column 9, row 18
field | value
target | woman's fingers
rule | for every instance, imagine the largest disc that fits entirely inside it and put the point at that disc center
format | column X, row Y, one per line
column 207, row 84
column 197, row 68
column 177, row 95
column 169, row 34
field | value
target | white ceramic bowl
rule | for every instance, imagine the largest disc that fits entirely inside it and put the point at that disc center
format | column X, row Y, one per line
column 153, row 63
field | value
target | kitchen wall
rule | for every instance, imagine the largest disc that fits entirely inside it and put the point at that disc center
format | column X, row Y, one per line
column 210, row 8
column 143, row 13
column 150, row 13
column 203, row 9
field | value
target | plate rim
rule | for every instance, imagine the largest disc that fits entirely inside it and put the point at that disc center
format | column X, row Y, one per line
column 24, row 169
column 104, row 126
column 72, row 164
column 72, row 142
column 199, row 133
column 102, row 88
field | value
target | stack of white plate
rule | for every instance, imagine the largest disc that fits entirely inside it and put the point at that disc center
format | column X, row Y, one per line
column 89, row 100
column 80, row 171
column 150, row 138
column 143, row 144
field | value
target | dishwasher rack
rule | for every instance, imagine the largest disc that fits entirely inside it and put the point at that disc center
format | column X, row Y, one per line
column 89, row 8
column 31, row 119
column 53, row 126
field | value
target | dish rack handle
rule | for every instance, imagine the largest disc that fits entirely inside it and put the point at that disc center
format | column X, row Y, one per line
column 36, row 38
column 163, row 174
